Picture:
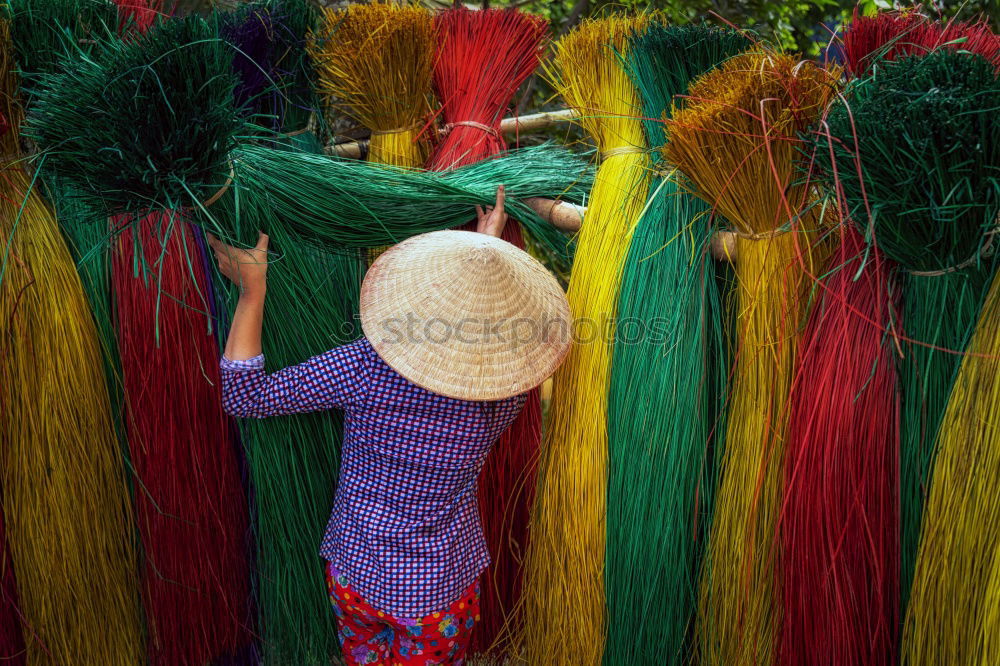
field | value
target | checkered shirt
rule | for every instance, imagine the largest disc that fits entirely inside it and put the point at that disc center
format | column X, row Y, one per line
column 405, row 527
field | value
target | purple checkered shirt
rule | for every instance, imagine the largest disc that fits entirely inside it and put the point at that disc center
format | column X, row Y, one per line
column 405, row 526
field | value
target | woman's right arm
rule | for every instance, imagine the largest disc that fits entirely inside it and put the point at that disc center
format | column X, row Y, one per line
column 334, row 380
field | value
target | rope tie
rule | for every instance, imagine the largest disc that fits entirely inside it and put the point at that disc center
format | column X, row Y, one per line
column 762, row 235
column 622, row 150
column 222, row 190
column 470, row 123
column 985, row 251
column 398, row 130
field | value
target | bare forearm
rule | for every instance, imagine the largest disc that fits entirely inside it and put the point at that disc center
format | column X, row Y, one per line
column 248, row 320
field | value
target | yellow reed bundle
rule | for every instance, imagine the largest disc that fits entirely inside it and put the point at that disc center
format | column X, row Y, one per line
column 737, row 139
column 62, row 479
column 954, row 611
column 564, row 581
column 375, row 63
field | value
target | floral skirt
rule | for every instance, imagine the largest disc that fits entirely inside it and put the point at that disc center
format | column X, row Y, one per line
column 370, row 636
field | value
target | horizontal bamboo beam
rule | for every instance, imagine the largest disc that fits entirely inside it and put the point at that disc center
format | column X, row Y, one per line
column 569, row 217
column 514, row 125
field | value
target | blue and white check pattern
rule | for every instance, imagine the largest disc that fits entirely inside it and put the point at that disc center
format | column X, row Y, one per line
column 405, row 527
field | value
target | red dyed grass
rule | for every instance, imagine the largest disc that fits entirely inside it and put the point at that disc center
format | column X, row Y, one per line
column 191, row 507
column 482, row 58
column 891, row 35
column 840, row 523
column 12, row 650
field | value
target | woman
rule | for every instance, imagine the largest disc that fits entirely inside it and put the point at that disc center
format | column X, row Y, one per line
column 458, row 326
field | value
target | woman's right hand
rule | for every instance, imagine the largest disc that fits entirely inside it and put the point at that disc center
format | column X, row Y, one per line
column 246, row 268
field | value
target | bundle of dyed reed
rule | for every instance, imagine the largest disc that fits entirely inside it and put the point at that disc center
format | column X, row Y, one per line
column 902, row 144
column 162, row 111
column 191, row 508
column 737, row 141
column 922, row 138
column 275, row 73
column 63, row 486
column 886, row 36
column 840, row 521
column 482, row 58
column 312, row 300
column 954, row 611
column 43, row 31
column 564, row 581
column 659, row 437
column 374, row 62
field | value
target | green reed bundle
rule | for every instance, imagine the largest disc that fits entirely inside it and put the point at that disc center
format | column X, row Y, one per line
column 914, row 147
column 335, row 202
column 312, row 300
column 660, row 413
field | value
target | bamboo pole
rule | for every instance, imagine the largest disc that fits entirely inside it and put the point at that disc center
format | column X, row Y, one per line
column 517, row 124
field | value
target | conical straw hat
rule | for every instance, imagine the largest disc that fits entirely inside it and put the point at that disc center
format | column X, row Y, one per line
column 465, row 315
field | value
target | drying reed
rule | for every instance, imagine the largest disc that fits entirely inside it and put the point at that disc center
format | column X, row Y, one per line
column 668, row 329
column 312, row 301
column 564, row 579
column 914, row 148
column 191, row 507
column 276, row 76
column 374, row 62
column 886, row 36
column 482, row 58
column 332, row 202
column 62, row 481
column 840, row 521
column 738, row 141
column 952, row 614
column 953, row 617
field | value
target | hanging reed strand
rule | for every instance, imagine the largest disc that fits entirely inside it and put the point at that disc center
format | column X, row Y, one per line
column 374, row 62
column 914, row 147
column 62, row 481
column 482, row 57
column 737, row 140
column 564, row 581
column 840, row 522
column 660, row 412
column 312, row 300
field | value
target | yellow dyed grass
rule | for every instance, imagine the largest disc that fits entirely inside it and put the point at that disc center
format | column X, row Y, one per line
column 375, row 63
column 954, row 611
column 736, row 138
column 65, row 498
column 564, row 588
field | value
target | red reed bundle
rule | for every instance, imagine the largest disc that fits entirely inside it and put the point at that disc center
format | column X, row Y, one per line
column 482, row 58
column 190, row 503
column 138, row 14
column 840, row 524
column 891, row 35
column 12, row 652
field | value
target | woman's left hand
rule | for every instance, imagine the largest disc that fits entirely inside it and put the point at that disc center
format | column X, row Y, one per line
column 246, row 268
column 494, row 218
